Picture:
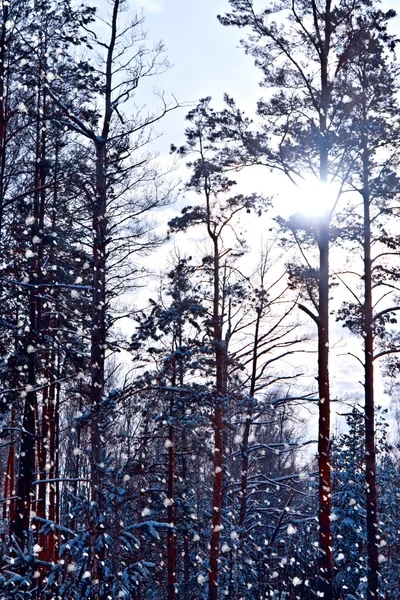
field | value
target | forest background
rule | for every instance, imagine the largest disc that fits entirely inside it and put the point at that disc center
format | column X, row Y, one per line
column 199, row 338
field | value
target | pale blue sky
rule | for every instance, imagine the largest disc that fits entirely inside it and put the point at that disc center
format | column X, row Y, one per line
column 206, row 58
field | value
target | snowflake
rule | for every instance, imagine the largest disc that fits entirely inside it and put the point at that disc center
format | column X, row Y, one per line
column 340, row 556
column 274, row 574
column 381, row 558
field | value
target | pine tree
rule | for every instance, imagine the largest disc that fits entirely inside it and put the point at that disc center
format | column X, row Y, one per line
column 374, row 128
column 301, row 117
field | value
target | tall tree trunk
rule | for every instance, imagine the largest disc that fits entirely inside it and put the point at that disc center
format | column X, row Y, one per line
column 244, row 450
column 171, row 533
column 53, row 448
column 185, row 476
column 9, row 512
column 219, row 398
column 98, row 341
column 25, row 493
column 99, row 327
column 42, row 325
column 324, row 441
column 186, row 552
column 9, row 481
column 54, row 393
column 248, row 423
column 370, row 454
column 171, row 536
column 30, row 439
column 3, row 106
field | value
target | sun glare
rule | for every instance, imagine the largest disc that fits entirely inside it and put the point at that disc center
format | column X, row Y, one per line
column 314, row 198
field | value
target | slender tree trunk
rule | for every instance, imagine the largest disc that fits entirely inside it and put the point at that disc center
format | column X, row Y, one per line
column 42, row 325
column 186, row 483
column 247, row 426
column 171, row 537
column 53, row 419
column 25, row 493
column 216, row 504
column 220, row 398
column 9, row 481
column 98, row 341
column 245, row 475
column 186, row 553
column 53, row 372
column 3, row 119
column 370, row 454
column 324, row 442
column 9, row 512
column 245, row 458
column 99, row 327
column 30, row 441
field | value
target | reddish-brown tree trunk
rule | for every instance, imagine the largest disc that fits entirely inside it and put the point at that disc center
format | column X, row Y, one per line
column 370, row 454
column 10, row 474
column 324, row 442
column 219, row 399
column 9, row 482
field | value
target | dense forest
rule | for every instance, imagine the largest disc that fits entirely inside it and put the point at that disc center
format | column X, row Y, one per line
column 169, row 424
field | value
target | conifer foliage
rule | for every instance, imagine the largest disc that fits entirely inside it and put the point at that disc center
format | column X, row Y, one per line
column 177, row 428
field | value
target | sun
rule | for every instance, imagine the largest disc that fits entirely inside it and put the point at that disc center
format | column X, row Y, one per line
column 314, row 198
